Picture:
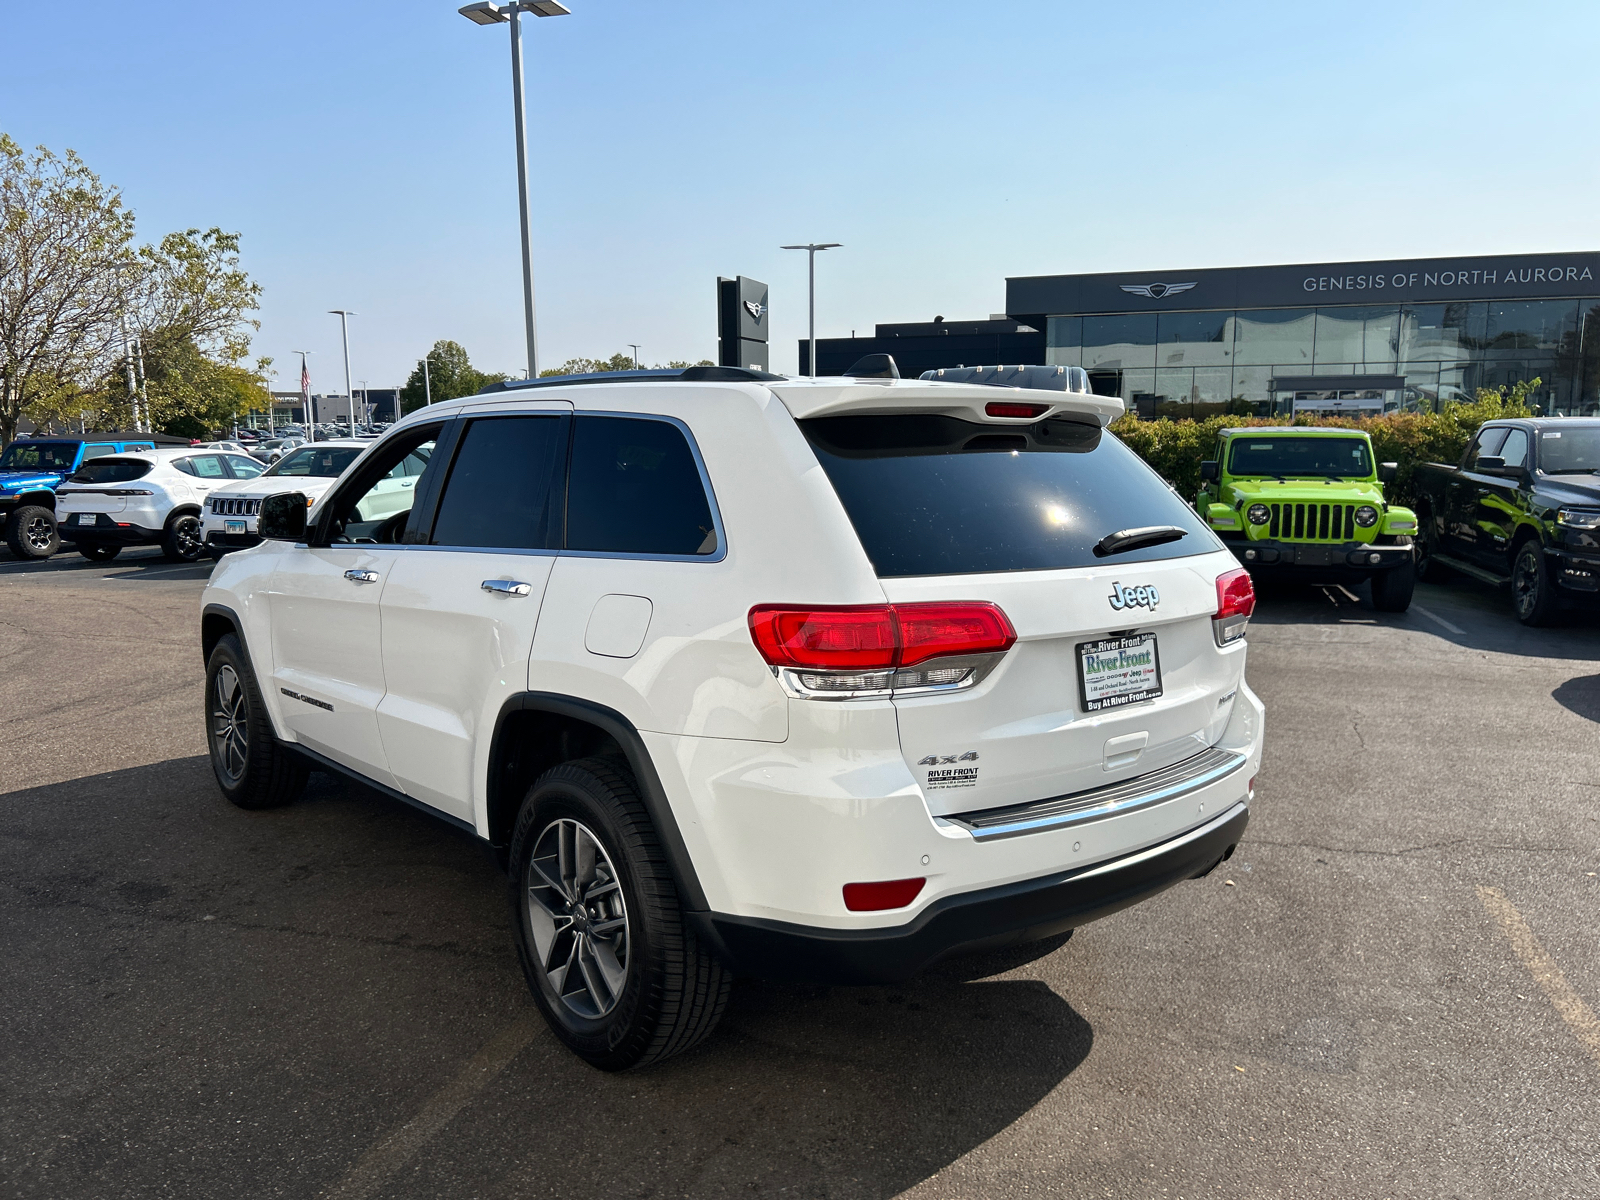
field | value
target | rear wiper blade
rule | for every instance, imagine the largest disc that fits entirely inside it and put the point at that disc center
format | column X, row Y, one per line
column 1124, row 540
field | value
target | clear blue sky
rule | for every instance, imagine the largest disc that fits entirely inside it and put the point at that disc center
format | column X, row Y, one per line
column 364, row 151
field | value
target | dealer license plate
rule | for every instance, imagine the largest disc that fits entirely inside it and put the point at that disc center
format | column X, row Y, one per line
column 1118, row 671
column 86, row 518
column 233, row 527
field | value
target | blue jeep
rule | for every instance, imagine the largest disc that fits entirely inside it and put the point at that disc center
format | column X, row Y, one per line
column 30, row 470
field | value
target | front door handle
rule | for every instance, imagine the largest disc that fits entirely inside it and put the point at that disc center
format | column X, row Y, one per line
column 507, row 587
column 362, row 576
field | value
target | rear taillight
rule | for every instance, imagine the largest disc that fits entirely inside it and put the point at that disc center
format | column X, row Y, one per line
column 1236, row 600
column 856, row 651
column 1007, row 408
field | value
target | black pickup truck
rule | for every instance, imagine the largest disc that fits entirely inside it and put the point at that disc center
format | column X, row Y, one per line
column 1522, row 506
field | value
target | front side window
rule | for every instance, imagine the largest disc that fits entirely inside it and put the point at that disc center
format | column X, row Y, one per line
column 39, row 456
column 936, row 495
column 635, row 488
column 1300, row 457
column 1486, row 443
column 501, row 493
column 373, row 506
column 112, row 470
column 1515, row 449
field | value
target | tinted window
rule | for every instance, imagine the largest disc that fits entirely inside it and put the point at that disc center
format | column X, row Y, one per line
column 98, row 450
column 39, row 456
column 324, row 462
column 635, row 489
column 499, row 492
column 1300, row 456
column 1515, row 448
column 1488, row 442
column 243, row 468
column 933, row 495
column 111, row 470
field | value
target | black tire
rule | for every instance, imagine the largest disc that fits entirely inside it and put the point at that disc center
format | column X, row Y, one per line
column 100, row 553
column 31, row 532
column 1392, row 589
column 1533, row 592
column 660, row 991
column 252, row 769
column 1428, row 568
column 182, row 540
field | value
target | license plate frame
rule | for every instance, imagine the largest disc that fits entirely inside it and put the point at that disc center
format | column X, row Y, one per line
column 1119, row 685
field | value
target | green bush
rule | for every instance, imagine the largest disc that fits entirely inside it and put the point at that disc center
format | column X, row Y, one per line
column 1176, row 448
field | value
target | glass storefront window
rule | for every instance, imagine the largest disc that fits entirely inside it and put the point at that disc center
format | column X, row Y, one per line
column 1211, row 391
column 1532, row 325
column 1368, row 336
column 1433, row 333
column 1198, row 339
column 1063, row 342
column 1119, row 342
column 1172, row 392
column 1281, row 336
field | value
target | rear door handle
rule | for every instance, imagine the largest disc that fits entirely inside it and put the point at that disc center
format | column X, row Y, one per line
column 507, row 587
column 362, row 576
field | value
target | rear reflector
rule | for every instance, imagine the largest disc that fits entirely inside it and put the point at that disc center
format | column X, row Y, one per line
column 1236, row 600
column 879, row 637
column 872, row 897
column 1002, row 408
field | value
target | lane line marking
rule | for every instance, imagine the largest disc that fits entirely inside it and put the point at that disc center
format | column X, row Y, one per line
column 1568, row 1004
column 1433, row 616
column 388, row 1156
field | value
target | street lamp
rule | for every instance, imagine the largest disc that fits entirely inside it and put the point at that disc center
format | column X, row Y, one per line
column 344, row 315
column 487, row 12
column 634, row 346
column 811, row 249
column 427, row 383
column 366, row 407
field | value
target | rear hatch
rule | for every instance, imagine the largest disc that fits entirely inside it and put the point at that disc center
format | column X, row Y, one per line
column 1115, row 671
column 102, row 485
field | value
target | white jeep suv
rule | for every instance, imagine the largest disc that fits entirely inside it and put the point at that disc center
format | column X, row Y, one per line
column 794, row 678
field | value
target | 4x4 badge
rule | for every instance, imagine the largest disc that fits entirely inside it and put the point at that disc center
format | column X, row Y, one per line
column 1135, row 597
column 939, row 760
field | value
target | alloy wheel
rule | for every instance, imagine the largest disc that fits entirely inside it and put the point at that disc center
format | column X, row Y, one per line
column 187, row 535
column 1525, row 582
column 229, row 724
column 578, row 919
column 37, row 533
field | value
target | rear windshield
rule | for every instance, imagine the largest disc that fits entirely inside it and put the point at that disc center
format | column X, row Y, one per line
column 112, row 470
column 321, row 461
column 1315, row 457
column 1569, row 451
column 39, row 456
column 931, row 495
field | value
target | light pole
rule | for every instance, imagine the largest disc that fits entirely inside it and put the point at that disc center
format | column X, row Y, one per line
column 344, row 315
column 272, row 417
column 634, row 346
column 366, row 407
column 427, row 383
column 487, row 12
column 811, row 249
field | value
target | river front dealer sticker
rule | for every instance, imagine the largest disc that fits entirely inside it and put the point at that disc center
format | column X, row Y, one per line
column 1118, row 671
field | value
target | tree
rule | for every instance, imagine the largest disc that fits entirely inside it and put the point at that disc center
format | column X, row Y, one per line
column 66, row 266
column 617, row 362
column 450, row 375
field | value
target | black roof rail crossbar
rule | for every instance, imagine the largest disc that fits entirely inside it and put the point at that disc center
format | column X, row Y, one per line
column 680, row 374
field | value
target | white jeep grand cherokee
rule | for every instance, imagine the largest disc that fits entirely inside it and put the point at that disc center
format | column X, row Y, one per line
column 820, row 678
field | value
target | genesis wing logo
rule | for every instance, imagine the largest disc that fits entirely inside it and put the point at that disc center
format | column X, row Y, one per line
column 756, row 311
column 1156, row 290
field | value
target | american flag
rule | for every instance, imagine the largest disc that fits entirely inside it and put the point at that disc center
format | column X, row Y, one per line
column 305, row 380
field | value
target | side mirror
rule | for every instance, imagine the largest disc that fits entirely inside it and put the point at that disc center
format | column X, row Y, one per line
column 283, row 517
column 1490, row 462
column 1388, row 472
column 1210, row 469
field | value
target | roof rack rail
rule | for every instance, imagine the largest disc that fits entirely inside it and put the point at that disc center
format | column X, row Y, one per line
column 679, row 374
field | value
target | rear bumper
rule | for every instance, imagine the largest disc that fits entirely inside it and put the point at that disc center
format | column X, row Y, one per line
column 1358, row 559
column 1015, row 912
column 108, row 535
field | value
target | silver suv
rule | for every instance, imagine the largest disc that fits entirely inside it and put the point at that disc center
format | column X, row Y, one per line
column 819, row 679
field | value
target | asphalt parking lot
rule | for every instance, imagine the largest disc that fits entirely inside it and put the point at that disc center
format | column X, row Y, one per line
column 1390, row 991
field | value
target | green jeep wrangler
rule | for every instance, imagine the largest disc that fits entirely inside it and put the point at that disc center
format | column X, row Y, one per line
column 1308, row 504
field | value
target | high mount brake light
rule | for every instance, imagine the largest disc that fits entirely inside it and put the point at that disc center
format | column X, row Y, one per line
column 1006, row 408
column 1236, row 600
column 877, row 637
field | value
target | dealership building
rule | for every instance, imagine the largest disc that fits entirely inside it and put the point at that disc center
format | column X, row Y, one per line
column 1351, row 337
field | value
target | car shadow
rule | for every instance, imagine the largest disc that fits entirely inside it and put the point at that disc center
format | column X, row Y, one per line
column 1465, row 612
column 137, row 562
column 338, row 962
column 1580, row 695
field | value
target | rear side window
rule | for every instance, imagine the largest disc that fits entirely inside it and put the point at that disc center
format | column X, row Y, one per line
column 635, row 489
column 500, row 491
column 934, row 495
column 98, row 450
column 111, row 470
column 243, row 468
